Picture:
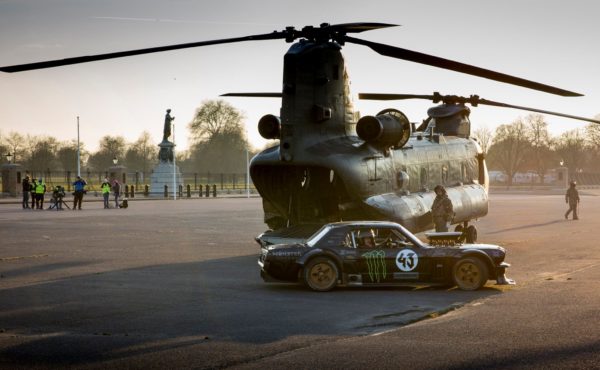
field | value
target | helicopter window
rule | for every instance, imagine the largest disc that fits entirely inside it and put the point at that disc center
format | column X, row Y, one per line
column 423, row 177
column 444, row 174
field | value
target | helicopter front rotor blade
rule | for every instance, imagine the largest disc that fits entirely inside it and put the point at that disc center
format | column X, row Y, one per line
column 255, row 95
column 121, row 54
column 504, row 105
column 361, row 26
column 413, row 56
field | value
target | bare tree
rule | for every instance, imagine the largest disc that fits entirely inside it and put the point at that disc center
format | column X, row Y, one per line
column 141, row 153
column 215, row 117
column 484, row 137
column 539, row 137
column 571, row 148
column 16, row 142
column 110, row 147
column 510, row 148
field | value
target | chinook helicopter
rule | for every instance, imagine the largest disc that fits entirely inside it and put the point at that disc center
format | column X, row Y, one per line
column 332, row 165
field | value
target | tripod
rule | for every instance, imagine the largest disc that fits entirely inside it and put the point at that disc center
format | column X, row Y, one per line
column 58, row 202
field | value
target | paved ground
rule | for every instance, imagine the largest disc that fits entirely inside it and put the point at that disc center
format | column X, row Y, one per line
column 175, row 284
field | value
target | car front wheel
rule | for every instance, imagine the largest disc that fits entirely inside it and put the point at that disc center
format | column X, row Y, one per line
column 320, row 274
column 470, row 273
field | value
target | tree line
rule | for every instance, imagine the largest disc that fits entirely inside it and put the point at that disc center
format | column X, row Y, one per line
column 218, row 145
column 526, row 145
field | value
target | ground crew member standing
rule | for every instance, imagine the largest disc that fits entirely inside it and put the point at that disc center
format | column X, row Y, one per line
column 32, row 191
column 572, row 199
column 26, row 189
column 117, row 190
column 79, row 186
column 441, row 210
column 105, row 192
column 40, row 190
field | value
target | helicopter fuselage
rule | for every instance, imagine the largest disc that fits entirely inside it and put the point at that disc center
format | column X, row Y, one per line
column 321, row 171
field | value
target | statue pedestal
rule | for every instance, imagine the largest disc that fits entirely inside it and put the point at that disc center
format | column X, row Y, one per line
column 165, row 172
column 11, row 179
column 163, row 175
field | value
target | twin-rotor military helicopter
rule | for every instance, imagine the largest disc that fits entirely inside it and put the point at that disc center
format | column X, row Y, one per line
column 331, row 165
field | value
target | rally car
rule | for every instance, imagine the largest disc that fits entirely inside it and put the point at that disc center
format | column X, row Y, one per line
column 373, row 253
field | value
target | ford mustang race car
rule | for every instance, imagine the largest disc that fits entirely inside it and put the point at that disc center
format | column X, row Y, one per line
column 373, row 253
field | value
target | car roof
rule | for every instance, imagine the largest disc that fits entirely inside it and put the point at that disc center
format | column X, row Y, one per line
column 362, row 224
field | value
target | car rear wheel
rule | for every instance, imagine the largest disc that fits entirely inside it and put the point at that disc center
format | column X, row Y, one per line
column 470, row 273
column 321, row 274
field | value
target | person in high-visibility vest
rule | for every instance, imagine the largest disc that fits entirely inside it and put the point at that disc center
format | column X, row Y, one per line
column 40, row 190
column 105, row 192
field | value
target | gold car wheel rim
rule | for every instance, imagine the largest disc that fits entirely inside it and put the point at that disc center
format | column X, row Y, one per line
column 321, row 275
column 468, row 274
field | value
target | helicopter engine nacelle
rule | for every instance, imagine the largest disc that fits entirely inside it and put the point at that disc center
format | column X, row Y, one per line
column 390, row 128
column 269, row 127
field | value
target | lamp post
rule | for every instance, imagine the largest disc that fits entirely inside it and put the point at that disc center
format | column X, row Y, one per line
column 8, row 157
column 115, row 160
column 565, row 172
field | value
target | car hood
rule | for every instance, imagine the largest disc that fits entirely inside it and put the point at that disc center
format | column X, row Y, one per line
column 294, row 246
column 482, row 247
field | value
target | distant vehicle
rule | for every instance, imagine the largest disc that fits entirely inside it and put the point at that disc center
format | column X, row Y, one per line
column 376, row 253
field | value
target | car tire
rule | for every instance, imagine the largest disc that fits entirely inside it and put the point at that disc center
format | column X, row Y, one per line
column 320, row 274
column 471, row 234
column 470, row 273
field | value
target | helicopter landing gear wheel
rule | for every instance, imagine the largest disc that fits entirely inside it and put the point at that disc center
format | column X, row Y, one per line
column 459, row 228
column 471, row 234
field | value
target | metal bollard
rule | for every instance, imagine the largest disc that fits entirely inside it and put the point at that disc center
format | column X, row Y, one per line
column 214, row 191
column 200, row 192
column 207, row 194
column 132, row 192
column 126, row 191
column 146, row 190
column 180, row 191
column 166, row 191
column 189, row 191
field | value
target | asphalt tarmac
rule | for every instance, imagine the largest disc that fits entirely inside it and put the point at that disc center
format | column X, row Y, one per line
column 175, row 284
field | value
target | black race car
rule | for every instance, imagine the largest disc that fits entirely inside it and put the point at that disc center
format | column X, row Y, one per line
column 373, row 253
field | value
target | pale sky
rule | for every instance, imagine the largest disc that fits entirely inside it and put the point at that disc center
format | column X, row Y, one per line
column 552, row 42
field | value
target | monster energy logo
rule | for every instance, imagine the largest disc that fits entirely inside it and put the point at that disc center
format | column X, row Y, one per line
column 376, row 265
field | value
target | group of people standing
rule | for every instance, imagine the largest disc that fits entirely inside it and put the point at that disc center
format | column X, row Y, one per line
column 37, row 189
column 106, row 187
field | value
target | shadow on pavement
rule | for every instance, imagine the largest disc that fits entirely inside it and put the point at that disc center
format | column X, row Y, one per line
column 121, row 313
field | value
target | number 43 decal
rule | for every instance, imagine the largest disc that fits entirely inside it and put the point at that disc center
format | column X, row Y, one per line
column 407, row 260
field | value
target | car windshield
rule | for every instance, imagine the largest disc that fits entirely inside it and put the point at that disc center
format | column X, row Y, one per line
column 318, row 235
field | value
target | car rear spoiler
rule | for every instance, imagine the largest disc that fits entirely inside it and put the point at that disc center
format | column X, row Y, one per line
column 288, row 235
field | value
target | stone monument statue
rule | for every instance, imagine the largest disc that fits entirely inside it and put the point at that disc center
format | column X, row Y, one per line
column 166, row 169
column 167, row 128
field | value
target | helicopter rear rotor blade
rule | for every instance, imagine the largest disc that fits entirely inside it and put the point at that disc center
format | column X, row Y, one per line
column 504, row 105
column 375, row 96
column 414, row 56
column 474, row 100
column 121, row 54
column 255, row 95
